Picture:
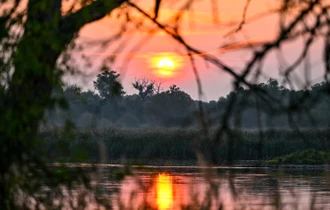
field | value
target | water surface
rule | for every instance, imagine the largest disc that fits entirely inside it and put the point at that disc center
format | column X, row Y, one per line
column 164, row 188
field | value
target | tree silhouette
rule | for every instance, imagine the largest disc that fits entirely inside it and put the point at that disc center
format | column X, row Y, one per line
column 173, row 89
column 145, row 87
column 170, row 108
column 108, row 85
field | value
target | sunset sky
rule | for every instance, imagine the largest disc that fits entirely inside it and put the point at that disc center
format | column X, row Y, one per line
column 203, row 32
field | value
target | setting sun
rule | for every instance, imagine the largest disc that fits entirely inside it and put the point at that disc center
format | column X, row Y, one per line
column 165, row 64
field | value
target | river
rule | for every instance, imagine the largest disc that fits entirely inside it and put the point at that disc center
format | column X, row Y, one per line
column 184, row 187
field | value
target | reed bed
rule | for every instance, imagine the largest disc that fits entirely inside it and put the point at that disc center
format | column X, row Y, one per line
column 109, row 145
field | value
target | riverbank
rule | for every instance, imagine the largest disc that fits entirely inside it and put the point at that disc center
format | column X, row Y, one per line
column 190, row 165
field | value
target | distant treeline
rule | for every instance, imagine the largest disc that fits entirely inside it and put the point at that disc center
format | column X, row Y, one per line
column 151, row 106
column 110, row 145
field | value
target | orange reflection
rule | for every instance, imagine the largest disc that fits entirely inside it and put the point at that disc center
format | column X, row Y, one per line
column 164, row 187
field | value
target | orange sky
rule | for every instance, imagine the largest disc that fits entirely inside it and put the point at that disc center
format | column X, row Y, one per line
column 200, row 30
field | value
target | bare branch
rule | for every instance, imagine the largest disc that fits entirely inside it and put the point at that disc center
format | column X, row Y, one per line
column 92, row 12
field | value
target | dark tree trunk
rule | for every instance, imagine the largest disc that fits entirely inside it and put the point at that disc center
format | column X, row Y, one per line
column 46, row 35
column 29, row 92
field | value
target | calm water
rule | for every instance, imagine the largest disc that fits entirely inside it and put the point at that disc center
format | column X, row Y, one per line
column 227, row 187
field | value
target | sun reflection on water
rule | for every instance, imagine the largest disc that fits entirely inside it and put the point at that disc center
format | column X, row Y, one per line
column 164, row 187
column 190, row 190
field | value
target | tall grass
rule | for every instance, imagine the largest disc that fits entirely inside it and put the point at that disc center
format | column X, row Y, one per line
column 176, row 144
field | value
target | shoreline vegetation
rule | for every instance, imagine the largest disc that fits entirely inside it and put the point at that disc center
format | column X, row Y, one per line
column 179, row 146
column 306, row 157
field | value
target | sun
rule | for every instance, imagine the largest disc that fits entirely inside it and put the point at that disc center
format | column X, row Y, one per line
column 165, row 63
column 165, row 66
